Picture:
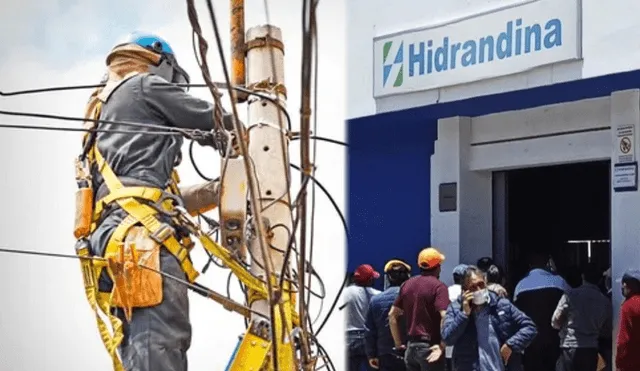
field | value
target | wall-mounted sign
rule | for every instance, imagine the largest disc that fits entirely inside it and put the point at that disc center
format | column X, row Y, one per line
column 625, row 151
column 625, row 177
column 505, row 41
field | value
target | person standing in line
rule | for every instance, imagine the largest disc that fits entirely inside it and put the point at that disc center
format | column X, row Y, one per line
column 378, row 339
column 605, row 344
column 628, row 342
column 583, row 315
column 488, row 332
column 356, row 302
column 493, row 275
column 537, row 295
column 484, row 263
column 494, row 281
column 455, row 291
column 422, row 300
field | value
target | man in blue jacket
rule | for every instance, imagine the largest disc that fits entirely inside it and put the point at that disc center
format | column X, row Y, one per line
column 378, row 339
column 488, row 332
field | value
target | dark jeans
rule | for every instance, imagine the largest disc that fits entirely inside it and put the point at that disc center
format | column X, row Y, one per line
column 449, row 366
column 356, row 356
column 604, row 348
column 415, row 358
column 390, row 362
column 541, row 358
column 578, row 359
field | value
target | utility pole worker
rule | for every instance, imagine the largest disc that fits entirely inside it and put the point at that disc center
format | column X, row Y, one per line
column 130, row 173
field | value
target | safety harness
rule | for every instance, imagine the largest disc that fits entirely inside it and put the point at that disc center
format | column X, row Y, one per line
column 136, row 202
column 144, row 206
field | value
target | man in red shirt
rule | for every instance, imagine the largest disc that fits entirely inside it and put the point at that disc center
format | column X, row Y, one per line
column 423, row 301
column 628, row 344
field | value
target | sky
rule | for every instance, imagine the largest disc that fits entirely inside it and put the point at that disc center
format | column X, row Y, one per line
column 45, row 320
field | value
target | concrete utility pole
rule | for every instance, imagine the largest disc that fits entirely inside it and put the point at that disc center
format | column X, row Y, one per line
column 269, row 150
column 258, row 66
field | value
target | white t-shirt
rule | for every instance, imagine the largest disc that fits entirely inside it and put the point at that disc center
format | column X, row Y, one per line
column 355, row 300
column 454, row 292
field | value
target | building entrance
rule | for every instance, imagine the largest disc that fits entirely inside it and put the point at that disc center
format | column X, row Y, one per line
column 563, row 211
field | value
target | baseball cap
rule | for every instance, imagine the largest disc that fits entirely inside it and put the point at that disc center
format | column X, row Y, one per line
column 430, row 258
column 396, row 264
column 459, row 270
column 631, row 274
column 365, row 272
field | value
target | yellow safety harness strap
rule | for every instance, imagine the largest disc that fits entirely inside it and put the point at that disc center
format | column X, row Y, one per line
column 100, row 302
column 257, row 288
column 146, row 193
column 162, row 233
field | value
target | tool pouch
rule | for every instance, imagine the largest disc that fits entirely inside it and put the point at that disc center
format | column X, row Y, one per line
column 84, row 212
column 135, row 286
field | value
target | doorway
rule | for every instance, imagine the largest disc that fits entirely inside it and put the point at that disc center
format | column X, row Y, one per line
column 563, row 211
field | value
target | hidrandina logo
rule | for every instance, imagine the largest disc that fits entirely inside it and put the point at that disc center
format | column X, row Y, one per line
column 450, row 53
column 392, row 63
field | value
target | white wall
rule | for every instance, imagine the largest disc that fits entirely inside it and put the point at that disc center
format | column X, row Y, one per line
column 559, row 133
column 609, row 44
column 464, row 235
column 625, row 206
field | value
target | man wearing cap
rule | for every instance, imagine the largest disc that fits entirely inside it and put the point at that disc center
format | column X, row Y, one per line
column 455, row 290
column 423, row 301
column 378, row 339
column 356, row 302
column 628, row 343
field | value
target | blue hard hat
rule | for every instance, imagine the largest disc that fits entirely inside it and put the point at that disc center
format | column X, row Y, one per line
column 150, row 41
column 168, row 66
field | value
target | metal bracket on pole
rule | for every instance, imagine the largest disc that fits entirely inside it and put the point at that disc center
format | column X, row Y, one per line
column 253, row 350
column 233, row 206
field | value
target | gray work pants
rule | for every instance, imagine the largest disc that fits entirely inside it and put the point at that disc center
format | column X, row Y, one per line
column 157, row 338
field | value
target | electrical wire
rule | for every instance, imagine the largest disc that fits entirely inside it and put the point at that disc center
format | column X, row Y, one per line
column 83, row 130
column 189, row 133
column 195, row 166
column 195, row 287
column 333, row 202
column 324, row 139
column 333, row 305
column 219, row 85
column 330, row 197
column 313, row 171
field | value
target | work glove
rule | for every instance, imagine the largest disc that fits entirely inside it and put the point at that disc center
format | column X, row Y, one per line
column 206, row 138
